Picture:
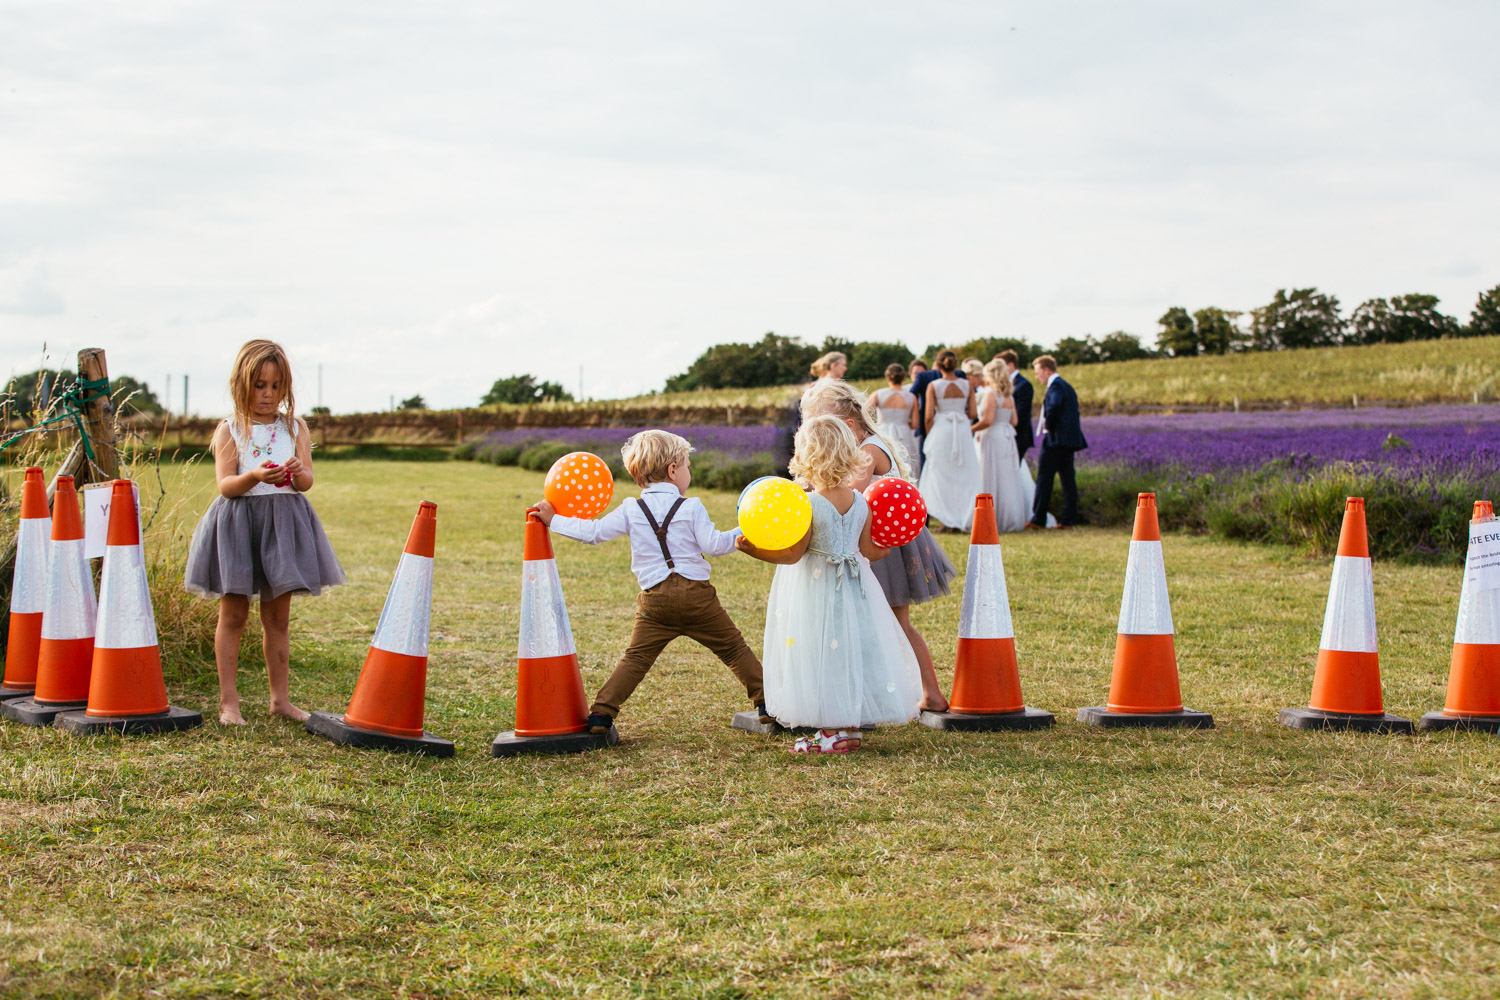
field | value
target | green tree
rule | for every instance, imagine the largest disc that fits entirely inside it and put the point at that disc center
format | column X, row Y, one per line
column 524, row 389
column 1177, row 336
column 868, row 358
column 1073, row 351
column 773, row 360
column 1304, row 318
column 132, row 396
column 413, row 403
column 1120, row 346
column 1217, row 330
column 321, row 411
column 985, row 349
column 1401, row 319
column 1484, row 321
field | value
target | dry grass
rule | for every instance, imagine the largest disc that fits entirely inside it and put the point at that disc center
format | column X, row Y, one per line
column 696, row 861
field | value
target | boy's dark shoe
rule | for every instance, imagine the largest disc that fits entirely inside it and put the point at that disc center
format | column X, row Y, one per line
column 600, row 724
column 765, row 717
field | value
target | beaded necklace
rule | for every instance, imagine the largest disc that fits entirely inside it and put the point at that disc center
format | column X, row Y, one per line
column 256, row 450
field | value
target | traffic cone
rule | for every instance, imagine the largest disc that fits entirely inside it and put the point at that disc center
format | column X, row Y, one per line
column 1474, row 673
column 67, row 643
column 986, row 680
column 28, row 590
column 551, row 714
column 389, row 697
column 1346, row 682
column 1143, row 688
column 127, row 693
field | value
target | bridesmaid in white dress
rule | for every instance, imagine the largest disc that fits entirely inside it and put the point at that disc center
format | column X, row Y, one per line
column 897, row 409
column 1000, row 470
column 950, row 468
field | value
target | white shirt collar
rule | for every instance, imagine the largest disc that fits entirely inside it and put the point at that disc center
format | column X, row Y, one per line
column 662, row 487
column 1050, row 379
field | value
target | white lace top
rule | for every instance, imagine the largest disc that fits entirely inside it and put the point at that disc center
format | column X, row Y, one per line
column 273, row 442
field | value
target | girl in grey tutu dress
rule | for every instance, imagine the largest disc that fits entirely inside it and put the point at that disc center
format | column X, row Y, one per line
column 260, row 536
column 916, row 572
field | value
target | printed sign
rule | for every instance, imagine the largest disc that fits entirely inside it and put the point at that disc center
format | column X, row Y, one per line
column 1483, row 569
column 96, row 516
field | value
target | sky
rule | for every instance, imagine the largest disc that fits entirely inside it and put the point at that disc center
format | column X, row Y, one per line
column 421, row 198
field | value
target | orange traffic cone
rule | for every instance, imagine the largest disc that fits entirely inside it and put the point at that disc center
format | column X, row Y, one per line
column 127, row 693
column 1346, row 682
column 1474, row 673
column 1143, row 688
column 67, row 648
column 551, row 714
column 28, row 591
column 390, row 695
column 986, row 679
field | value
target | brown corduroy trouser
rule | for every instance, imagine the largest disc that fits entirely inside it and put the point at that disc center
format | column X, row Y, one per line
column 678, row 606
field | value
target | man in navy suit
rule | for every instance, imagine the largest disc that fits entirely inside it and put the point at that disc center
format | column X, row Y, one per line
column 1062, row 436
column 1021, row 393
column 919, row 389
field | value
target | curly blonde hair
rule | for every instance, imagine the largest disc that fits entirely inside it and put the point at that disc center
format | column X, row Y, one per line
column 827, row 455
column 842, row 400
column 648, row 454
column 999, row 377
column 247, row 365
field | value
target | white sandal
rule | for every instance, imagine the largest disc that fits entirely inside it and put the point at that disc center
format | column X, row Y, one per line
column 828, row 741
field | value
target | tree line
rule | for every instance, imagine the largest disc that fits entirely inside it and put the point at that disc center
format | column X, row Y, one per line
column 1296, row 318
column 28, row 396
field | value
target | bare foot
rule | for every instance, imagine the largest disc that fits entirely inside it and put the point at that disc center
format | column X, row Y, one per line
column 289, row 711
column 928, row 705
column 230, row 716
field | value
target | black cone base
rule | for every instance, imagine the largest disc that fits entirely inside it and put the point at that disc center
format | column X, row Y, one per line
column 962, row 722
column 27, row 712
column 1099, row 715
column 334, row 729
column 1313, row 718
column 508, row 744
column 171, row 720
column 7, row 694
column 1478, row 723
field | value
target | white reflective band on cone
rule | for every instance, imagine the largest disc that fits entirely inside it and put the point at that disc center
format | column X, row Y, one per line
column 33, row 537
column 125, row 617
column 544, row 617
column 1478, row 615
column 408, row 607
column 986, row 611
column 1349, row 622
column 1145, row 608
column 70, row 594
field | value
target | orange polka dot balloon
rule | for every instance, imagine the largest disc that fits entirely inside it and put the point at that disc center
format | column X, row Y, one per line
column 579, row 485
column 897, row 512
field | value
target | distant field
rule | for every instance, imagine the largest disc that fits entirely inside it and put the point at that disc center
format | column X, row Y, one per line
column 1432, row 371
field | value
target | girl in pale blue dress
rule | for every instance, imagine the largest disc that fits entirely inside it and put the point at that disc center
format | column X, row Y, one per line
column 834, row 656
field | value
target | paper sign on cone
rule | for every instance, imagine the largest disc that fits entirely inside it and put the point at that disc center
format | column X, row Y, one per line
column 1473, row 699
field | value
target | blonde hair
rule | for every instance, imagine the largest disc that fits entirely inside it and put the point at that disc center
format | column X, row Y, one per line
column 648, row 453
column 820, row 367
column 827, row 455
column 841, row 400
column 254, row 355
column 972, row 367
column 999, row 377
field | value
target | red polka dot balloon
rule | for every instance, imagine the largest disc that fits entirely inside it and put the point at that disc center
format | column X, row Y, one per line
column 579, row 485
column 897, row 512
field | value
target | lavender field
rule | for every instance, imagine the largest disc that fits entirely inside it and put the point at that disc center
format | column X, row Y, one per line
column 1281, row 476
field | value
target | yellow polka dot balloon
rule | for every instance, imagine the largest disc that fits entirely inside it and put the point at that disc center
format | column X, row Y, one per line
column 775, row 514
column 579, row 485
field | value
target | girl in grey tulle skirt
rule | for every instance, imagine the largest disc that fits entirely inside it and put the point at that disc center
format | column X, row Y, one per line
column 261, row 546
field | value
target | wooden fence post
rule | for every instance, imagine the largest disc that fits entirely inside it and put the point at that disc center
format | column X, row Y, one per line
column 98, row 414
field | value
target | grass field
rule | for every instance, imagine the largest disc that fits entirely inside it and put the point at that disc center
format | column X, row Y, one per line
column 697, row 861
column 1433, row 371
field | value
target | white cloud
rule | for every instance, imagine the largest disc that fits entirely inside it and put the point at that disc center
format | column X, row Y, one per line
column 34, row 296
column 423, row 198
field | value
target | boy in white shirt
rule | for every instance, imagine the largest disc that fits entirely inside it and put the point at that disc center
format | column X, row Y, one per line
column 670, row 534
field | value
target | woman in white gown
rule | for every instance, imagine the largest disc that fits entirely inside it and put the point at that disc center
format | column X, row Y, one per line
column 1000, row 471
column 950, row 468
column 897, row 409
